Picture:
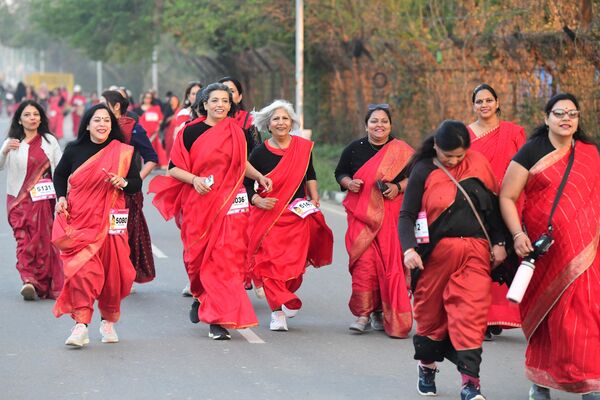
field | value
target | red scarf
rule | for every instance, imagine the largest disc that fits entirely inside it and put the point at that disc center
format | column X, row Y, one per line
column 126, row 124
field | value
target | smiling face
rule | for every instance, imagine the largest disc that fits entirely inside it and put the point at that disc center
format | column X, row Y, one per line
column 217, row 106
column 280, row 123
column 237, row 97
column 485, row 105
column 379, row 127
column 450, row 158
column 30, row 118
column 100, row 126
column 563, row 126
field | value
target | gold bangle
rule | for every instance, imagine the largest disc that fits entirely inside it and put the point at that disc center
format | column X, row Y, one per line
column 411, row 249
column 516, row 235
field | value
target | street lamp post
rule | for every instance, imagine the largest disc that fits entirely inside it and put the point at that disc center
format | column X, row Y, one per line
column 300, row 61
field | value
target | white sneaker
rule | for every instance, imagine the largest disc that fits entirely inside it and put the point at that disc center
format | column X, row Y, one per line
column 107, row 330
column 289, row 312
column 186, row 291
column 79, row 336
column 260, row 292
column 278, row 321
column 28, row 292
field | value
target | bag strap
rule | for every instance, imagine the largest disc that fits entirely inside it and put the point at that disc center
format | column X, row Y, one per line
column 464, row 192
column 245, row 120
column 562, row 186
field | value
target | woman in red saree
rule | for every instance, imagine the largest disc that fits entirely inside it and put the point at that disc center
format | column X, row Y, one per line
column 140, row 243
column 498, row 141
column 150, row 119
column 204, row 192
column 452, row 293
column 90, row 229
column 379, row 293
column 561, row 307
column 287, row 232
column 30, row 155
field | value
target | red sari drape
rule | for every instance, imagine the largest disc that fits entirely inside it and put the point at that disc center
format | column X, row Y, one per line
column 282, row 244
column 140, row 243
column 38, row 262
column 561, row 308
column 499, row 146
column 452, row 296
column 214, row 246
column 375, row 255
column 150, row 121
column 170, row 133
column 96, row 264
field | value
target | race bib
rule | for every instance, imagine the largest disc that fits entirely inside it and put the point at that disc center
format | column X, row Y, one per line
column 421, row 228
column 43, row 190
column 151, row 116
column 118, row 221
column 302, row 208
column 240, row 203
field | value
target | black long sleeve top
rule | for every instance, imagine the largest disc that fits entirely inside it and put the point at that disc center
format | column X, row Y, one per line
column 355, row 155
column 457, row 221
column 76, row 154
column 265, row 161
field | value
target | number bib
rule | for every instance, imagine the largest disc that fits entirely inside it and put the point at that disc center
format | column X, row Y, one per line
column 302, row 208
column 43, row 190
column 151, row 116
column 240, row 203
column 422, row 228
column 118, row 221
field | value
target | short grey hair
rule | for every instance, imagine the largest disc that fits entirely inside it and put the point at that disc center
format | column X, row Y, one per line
column 263, row 117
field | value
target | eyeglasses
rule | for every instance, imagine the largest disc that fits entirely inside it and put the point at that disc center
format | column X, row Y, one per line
column 383, row 106
column 560, row 113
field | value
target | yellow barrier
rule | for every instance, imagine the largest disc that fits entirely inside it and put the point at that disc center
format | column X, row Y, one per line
column 51, row 79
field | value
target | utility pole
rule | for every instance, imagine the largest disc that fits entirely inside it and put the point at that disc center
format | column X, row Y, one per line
column 155, row 70
column 300, row 62
column 99, row 84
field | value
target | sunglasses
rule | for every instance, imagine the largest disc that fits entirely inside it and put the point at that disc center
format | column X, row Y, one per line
column 383, row 106
column 560, row 113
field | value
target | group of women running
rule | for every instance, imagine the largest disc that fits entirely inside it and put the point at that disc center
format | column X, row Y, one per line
column 431, row 225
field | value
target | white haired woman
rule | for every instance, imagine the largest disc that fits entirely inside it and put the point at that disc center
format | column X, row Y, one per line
column 285, row 224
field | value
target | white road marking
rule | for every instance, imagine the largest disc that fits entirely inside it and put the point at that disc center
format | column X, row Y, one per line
column 157, row 252
column 250, row 336
column 334, row 209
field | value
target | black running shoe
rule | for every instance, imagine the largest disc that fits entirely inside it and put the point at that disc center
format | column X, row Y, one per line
column 471, row 392
column 217, row 332
column 194, row 312
column 426, row 383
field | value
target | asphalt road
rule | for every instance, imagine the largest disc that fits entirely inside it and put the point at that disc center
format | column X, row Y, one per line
column 161, row 355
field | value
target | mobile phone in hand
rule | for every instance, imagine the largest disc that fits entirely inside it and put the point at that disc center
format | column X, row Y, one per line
column 381, row 185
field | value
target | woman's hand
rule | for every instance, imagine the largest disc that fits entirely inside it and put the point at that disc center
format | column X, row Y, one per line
column 61, row 206
column 499, row 253
column 265, row 182
column 117, row 181
column 522, row 244
column 412, row 259
column 316, row 202
column 392, row 191
column 199, row 184
column 12, row 144
column 266, row 203
column 354, row 185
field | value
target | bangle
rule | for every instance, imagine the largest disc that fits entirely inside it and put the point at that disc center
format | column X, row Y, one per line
column 409, row 250
column 516, row 235
column 399, row 187
column 252, row 198
column 194, row 177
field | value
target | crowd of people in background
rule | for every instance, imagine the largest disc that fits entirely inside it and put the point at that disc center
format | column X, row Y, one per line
column 434, row 236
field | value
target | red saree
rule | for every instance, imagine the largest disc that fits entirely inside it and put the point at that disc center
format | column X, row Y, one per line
column 214, row 242
column 561, row 308
column 499, row 146
column 150, row 121
column 375, row 255
column 140, row 244
column 96, row 264
column 273, row 263
column 452, row 296
column 37, row 260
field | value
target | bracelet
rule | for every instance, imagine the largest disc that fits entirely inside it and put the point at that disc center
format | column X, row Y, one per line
column 409, row 250
column 194, row 177
column 516, row 235
column 252, row 198
column 399, row 187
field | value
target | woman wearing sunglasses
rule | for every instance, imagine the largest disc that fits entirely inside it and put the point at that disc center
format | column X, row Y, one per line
column 561, row 307
column 373, row 171
column 498, row 141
